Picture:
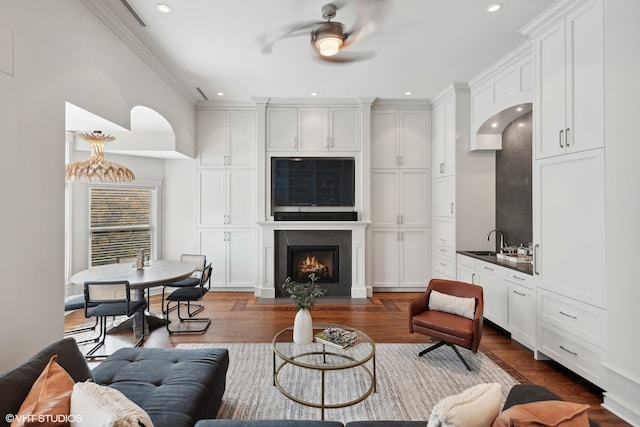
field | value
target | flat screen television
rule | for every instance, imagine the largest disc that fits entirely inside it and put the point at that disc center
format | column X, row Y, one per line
column 312, row 181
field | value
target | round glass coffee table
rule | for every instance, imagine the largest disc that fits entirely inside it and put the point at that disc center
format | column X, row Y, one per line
column 295, row 367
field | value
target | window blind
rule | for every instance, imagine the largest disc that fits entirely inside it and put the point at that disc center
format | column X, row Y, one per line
column 122, row 221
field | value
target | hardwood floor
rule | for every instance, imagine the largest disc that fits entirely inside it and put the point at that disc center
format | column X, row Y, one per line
column 240, row 317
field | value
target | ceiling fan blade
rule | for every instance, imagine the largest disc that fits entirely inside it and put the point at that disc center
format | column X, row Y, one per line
column 346, row 57
column 266, row 41
column 370, row 14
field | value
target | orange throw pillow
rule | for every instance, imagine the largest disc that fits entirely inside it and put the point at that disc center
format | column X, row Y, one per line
column 552, row 413
column 48, row 402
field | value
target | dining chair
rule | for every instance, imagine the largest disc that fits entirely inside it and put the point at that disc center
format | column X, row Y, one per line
column 106, row 299
column 188, row 295
column 76, row 302
column 199, row 262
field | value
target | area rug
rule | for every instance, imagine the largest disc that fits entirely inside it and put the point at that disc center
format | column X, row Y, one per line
column 408, row 386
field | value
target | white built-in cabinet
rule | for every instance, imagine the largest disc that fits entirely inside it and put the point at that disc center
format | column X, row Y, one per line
column 400, row 197
column 509, row 296
column 569, row 187
column 313, row 129
column 226, row 195
column 444, row 139
column 570, row 83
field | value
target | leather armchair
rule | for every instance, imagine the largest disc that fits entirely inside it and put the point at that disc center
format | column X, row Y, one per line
column 450, row 329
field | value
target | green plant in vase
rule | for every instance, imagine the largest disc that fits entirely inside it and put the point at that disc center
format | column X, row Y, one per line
column 303, row 296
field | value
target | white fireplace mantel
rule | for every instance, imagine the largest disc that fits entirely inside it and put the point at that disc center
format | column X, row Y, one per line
column 266, row 257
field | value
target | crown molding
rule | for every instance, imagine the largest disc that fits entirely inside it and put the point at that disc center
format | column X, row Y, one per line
column 106, row 15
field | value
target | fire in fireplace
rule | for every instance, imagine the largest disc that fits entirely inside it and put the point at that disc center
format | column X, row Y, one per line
column 321, row 260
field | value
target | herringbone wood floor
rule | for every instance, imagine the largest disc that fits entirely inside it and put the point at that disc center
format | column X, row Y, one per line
column 240, row 317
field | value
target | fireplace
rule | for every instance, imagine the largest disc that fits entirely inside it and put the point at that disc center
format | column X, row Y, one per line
column 326, row 252
column 324, row 261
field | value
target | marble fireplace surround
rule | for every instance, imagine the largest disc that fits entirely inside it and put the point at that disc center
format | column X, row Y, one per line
column 267, row 255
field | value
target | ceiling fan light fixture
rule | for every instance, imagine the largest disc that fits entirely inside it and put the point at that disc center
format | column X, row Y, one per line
column 329, row 45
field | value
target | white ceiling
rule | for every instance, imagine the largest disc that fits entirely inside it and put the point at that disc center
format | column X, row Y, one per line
column 418, row 45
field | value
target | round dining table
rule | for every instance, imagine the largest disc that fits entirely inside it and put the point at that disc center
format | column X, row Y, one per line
column 155, row 273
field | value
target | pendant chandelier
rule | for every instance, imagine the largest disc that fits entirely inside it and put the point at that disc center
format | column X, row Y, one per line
column 96, row 168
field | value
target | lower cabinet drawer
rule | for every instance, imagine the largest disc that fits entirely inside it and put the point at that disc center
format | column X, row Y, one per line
column 579, row 356
column 577, row 318
column 444, row 267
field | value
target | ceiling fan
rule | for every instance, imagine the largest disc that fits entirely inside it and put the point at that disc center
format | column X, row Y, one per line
column 329, row 38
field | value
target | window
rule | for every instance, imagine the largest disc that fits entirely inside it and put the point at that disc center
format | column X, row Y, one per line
column 122, row 221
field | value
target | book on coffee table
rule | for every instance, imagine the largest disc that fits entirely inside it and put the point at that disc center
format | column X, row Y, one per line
column 337, row 337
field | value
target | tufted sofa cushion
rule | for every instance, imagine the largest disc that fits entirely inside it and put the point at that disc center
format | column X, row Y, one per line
column 176, row 387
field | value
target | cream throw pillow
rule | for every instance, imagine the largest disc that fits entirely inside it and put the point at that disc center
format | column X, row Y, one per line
column 465, row 307
column 477, row 406
column 97, row 405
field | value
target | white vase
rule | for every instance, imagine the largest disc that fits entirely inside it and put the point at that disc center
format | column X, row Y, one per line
column 303, row 327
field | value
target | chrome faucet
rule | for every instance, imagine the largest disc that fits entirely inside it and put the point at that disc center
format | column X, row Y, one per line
column 501, row 238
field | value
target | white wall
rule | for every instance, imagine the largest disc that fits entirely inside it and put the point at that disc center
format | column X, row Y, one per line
column 622, row 154
column 60, row 52
column 180, row 209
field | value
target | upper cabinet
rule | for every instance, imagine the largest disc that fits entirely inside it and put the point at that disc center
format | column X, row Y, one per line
column 444, row 139
column 569, row 100
column 399, row 139
column 226, row 138
column 311, row 129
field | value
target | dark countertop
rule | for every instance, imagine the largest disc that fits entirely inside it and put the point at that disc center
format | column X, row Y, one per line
column 485, row 256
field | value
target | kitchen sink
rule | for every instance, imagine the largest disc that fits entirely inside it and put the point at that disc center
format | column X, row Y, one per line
column 481, row 253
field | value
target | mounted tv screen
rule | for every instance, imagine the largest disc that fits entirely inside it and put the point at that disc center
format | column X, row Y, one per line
column 312, row 181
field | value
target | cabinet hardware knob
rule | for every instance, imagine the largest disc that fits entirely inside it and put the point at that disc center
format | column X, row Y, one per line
column 452, row 207
column 566, row 137
column 519, row 278
column 519, row 293
column 535, row 259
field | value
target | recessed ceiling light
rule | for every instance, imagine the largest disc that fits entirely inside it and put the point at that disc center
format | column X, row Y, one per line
column 407, row 93
column 494, row 125
column 314, row 93
column 164, row 8
column 519, row 109
column 494, row 7
column 220, row 93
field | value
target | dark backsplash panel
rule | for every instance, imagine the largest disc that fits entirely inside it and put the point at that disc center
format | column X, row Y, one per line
column 514, row 216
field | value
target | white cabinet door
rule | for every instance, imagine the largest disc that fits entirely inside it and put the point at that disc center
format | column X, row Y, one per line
column 444, row 197
column 415, row 257
column 570, row 226
column 444, row 232
column 385, row 257
column 344, row 129
column 232, row 254
column 211, row 200
column 384, row 197
column 465, row 273
column 313, row 129
column 384, row 139
column 282, row 129
column 241, row 147
column 400, row 139
column 522, row 314
column 211, row 134
column 226, row 138
column 414, row 150
column 495, row 295
column 241, row 198
column 444, row 138
column 213, row 245
column 570, row 84
column 414, row 197
column 241, row 258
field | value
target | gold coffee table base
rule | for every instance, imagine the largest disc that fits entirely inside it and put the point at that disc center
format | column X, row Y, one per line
column 350, row 361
